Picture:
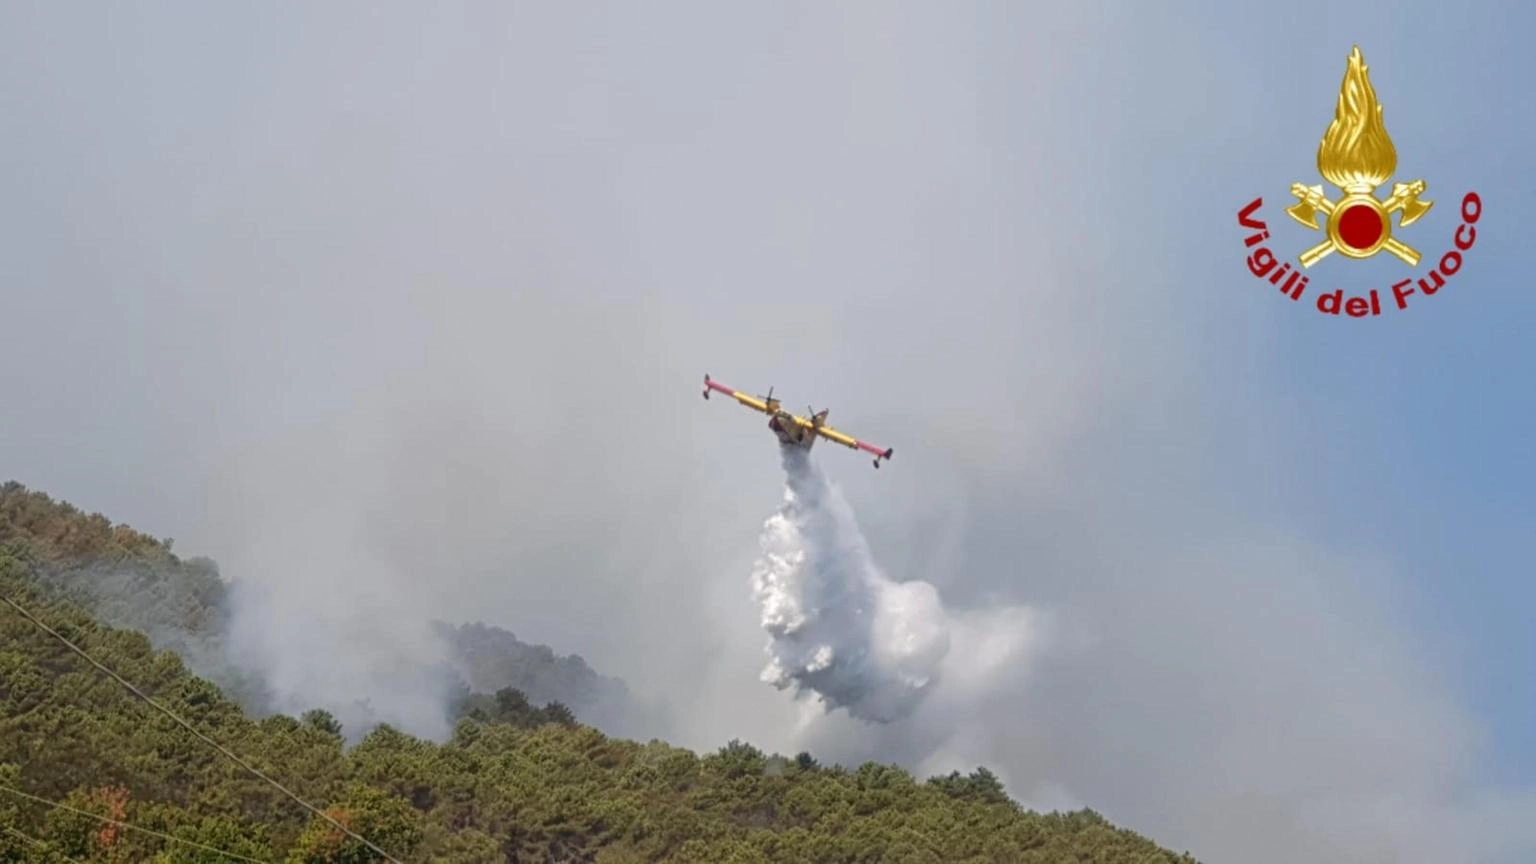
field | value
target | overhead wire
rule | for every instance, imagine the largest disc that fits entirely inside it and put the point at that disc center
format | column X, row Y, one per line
column 46, row 847
column 190, row 728
column 129, row 825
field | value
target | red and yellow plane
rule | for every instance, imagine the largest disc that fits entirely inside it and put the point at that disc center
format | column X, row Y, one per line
column 796, row 430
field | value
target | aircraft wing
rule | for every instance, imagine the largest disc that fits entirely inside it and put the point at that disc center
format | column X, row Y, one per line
column 750, row 401
column 849, row 441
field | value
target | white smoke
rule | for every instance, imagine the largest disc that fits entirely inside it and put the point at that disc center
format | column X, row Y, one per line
column 316, row 642
column 839, row 627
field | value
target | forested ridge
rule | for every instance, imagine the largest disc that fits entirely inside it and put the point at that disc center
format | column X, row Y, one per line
column 126, row 579
column 515, row 782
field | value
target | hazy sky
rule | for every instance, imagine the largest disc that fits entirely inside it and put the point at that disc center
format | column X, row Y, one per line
column 401, row 311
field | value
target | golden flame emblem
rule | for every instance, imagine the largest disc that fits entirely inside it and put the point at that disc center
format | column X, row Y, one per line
column 1357, row 155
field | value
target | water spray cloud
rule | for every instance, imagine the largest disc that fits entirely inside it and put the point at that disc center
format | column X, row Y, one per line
column 837, row 626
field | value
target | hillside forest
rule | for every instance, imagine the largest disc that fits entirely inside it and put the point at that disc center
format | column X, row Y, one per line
column 90, row 772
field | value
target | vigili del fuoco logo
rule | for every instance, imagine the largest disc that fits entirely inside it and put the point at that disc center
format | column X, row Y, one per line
column 1357, row 156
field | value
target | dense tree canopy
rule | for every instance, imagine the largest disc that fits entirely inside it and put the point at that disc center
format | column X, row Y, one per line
column 516, row 782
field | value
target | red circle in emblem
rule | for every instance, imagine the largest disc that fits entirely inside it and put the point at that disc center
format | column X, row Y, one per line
column 1360, row 226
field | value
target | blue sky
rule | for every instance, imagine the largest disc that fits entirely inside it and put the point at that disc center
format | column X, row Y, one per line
column 399, row 314
column 1410, row 435
column 1415, row 432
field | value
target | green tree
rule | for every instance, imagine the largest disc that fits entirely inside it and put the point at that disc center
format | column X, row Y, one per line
column 514, row 782
column 382, row 820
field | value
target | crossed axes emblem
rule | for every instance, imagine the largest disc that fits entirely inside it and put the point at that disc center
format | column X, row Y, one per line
column 1311, row 201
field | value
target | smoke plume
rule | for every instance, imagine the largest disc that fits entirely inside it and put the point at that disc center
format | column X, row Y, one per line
column 358, row 655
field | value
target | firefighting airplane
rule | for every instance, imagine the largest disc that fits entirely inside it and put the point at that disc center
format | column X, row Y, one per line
column 796, row 430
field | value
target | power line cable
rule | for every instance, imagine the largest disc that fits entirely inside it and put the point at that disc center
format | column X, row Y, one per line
column 46, row 847
column 188, row 726
column 150, row 831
